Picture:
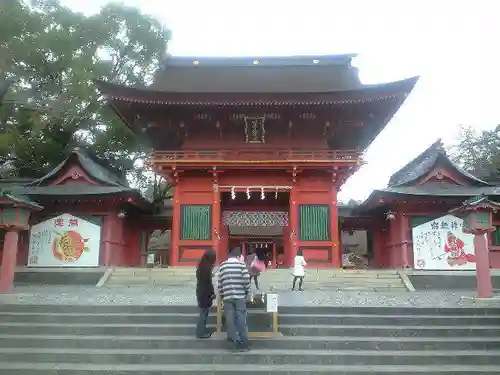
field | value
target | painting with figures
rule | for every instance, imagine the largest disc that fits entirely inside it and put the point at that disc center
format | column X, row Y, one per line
column 440, row 244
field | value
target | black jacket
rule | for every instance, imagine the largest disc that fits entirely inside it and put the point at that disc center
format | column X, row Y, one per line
column 204, row 288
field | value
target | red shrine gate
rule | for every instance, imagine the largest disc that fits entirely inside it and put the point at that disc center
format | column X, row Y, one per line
column 215, row 213
column 290, row 129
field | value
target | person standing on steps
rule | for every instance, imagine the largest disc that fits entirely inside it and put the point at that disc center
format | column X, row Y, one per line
column 298, row 269
column 234, row 288
column 254, row 265
column 204, row 292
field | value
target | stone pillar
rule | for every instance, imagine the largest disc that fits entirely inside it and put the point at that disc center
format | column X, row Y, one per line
column 483, row 272
column 216, row 221
column 9, row 256
column 176, row 227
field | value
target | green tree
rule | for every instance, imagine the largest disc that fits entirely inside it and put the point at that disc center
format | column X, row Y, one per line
column 479, row 152
column 49, row 58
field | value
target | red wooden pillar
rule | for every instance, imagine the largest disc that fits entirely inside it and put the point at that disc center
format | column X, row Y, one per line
column 9, row 256
column 216, row 221
column 113, row 242
column 293, row 224
column 121, row 256
column 404, row 227
column 107, row 230
column 273, row 247
column 393, row 240
column 483, row 272
column 378, row 246
column 176, row 227
column 334, row 229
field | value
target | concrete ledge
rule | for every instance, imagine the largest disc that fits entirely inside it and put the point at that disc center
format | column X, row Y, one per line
column 494, row 272
column 448, row 281
column 59, row 276
column 480, row 299
column 104, row 278
column 406, row 281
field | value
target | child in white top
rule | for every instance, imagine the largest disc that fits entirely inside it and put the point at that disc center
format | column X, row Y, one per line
column 298, row 269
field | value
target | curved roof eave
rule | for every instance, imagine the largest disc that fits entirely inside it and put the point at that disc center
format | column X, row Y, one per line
column 146, row 95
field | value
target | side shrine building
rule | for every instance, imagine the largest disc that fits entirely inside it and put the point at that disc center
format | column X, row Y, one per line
column 82, row 199
column 257, row 149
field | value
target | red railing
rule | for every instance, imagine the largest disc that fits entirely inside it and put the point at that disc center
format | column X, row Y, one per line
column 253, row 155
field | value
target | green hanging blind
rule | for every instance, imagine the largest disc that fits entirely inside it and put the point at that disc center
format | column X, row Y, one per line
column 195, row 222
column 495, row 237
column 370, row 242
column 419, row 220
column 314, row 222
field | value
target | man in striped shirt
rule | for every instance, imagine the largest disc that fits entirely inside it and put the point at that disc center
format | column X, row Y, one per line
column 234, row 286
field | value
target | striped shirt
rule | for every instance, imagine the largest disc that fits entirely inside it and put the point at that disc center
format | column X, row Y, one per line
column 234, row 279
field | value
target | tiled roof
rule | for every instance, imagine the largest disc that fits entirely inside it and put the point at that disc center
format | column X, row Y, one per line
column 19, row 199
column 72, row 190
column 442, row 189
column 95, row 170
column 424, row 163
column 292, row 74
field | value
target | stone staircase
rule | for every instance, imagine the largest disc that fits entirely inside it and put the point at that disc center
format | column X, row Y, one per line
column 279, row 279
column 171, row 276
column 331, row 280
column 153, row 340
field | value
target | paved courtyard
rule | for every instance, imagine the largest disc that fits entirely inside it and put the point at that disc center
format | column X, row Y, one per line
column 85, row 295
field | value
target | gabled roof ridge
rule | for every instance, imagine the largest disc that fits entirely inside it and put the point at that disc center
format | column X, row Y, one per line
column 437, row 146
column 89, row 165
column 250, row 60
column 424, row 162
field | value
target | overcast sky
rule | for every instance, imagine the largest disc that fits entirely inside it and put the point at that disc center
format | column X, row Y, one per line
column 452, row 44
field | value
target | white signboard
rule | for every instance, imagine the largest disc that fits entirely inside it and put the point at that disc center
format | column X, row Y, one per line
column 441, row 244
column 272, row 303
column 64, row 241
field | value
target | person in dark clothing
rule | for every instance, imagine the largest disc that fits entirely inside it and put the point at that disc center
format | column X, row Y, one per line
column 204, row 292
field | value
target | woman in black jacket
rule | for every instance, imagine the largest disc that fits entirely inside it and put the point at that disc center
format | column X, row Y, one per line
column 204, row 292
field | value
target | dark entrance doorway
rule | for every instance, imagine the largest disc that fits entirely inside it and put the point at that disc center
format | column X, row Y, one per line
column 269, row 250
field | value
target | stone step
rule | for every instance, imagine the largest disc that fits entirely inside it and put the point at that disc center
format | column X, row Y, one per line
column 316, row 279
column 307, row 310
column 283, row 343
column 286, row 329
column 63, row 368
column 332, row 279
column 147, row 340
column 153, row 271
column 154, row 276
column 284, row 319
column 313, row 273
column 254, row 357
column 350, row 283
